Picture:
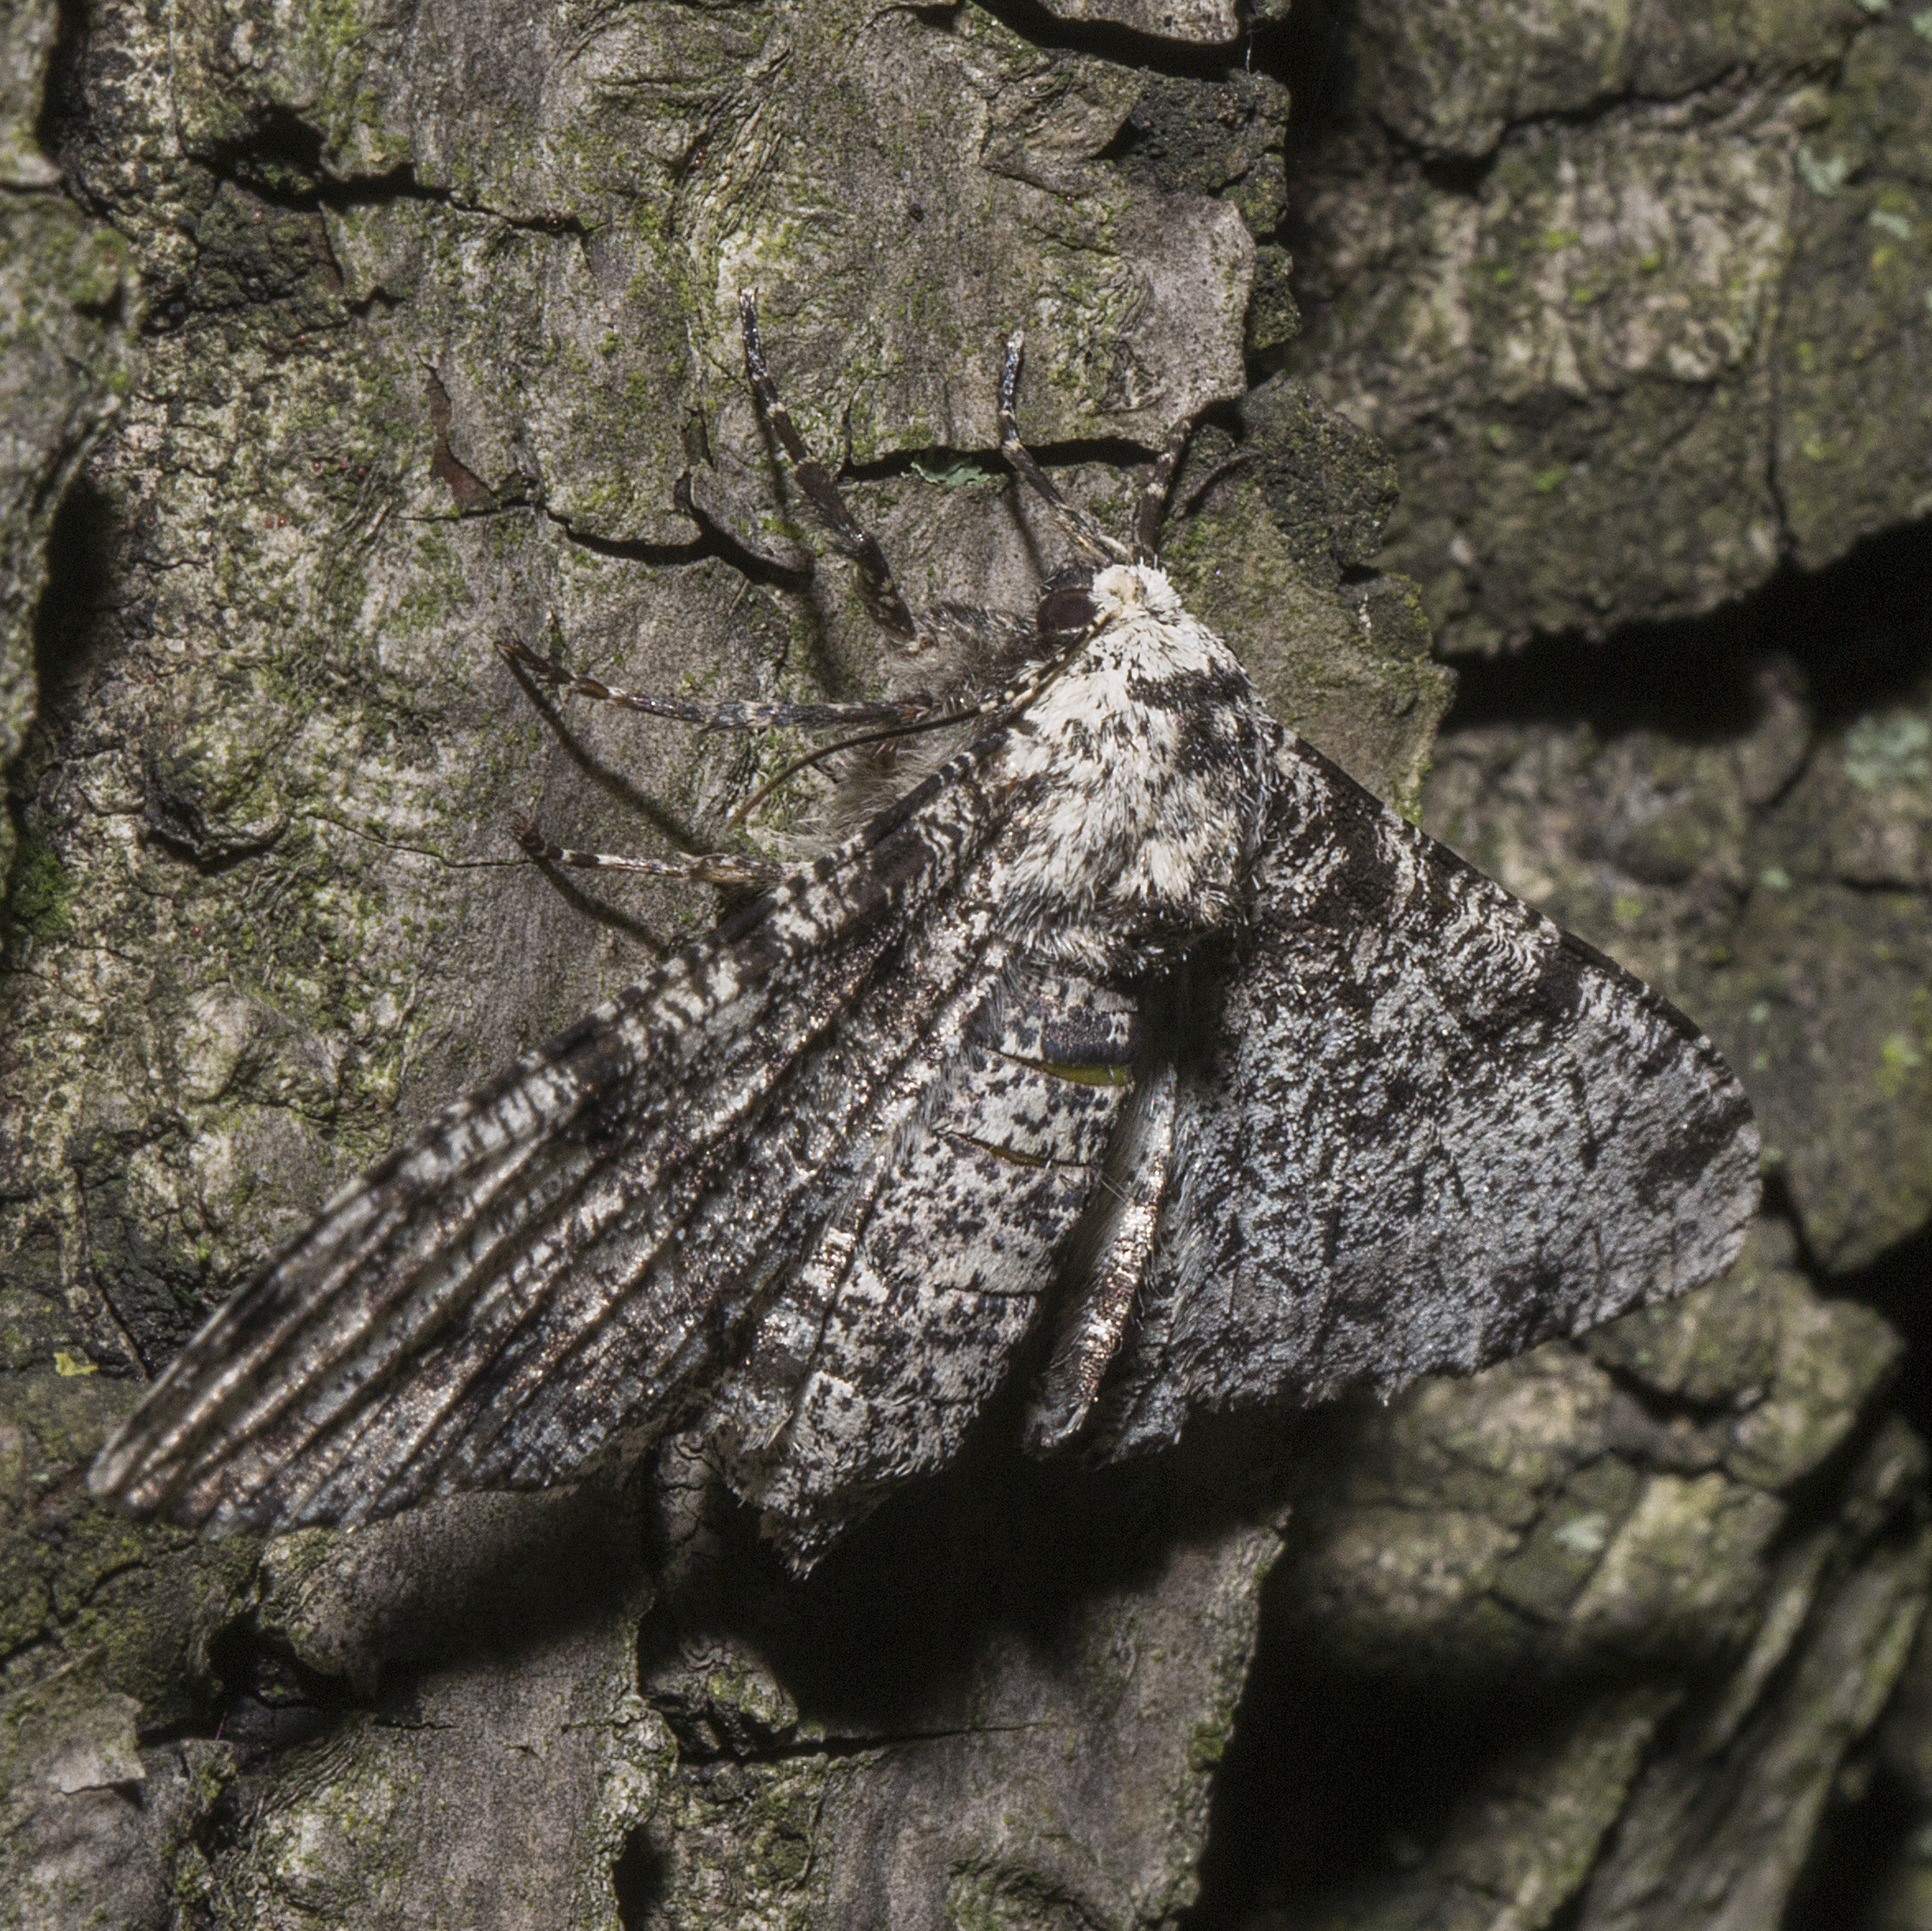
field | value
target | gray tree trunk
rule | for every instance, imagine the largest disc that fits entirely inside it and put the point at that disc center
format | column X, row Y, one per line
column 342, row 339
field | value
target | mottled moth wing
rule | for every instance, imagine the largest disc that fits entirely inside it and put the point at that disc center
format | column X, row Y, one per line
column 584, row 1240
column 878, row 1354
column 1423, row 1129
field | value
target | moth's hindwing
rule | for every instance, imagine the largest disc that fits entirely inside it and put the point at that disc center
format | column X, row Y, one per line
column 1427, row 1129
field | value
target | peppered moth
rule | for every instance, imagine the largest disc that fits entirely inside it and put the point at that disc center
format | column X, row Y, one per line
column 1132, row 1037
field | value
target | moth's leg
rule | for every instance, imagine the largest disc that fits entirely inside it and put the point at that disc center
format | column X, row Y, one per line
column 711, row 869
column 987, row 645
column 1103, row 1274
column 732, row 716
column 877, row 586
column 1154, row 499
column 1089, row 538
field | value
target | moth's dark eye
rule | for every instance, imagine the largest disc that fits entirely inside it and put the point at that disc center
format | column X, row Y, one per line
column 1063, row 614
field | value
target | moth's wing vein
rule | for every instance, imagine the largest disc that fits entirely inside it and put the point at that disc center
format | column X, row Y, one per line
column 747, row 1220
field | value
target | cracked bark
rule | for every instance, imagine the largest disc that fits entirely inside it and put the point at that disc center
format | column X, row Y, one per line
column 344, row 342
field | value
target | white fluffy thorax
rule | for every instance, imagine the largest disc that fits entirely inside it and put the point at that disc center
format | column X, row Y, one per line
column 1138, row 765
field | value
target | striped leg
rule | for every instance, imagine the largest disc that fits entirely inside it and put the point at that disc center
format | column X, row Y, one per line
column 1089, row 538
column 1154, row 499
column 734, row 717
column 714, row 869
column 877, row 586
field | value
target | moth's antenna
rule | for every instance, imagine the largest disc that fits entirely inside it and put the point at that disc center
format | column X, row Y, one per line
column 1199, row 493
column 1092, row 542
column 1154, row 499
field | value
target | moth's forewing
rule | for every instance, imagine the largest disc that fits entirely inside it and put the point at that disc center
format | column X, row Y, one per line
column 879, row 1352
column 582, row 1242
column 1425, row 1130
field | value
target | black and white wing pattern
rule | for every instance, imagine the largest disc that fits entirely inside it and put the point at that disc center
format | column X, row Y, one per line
column 813, row 1184
column 811, row 1149
column 880, row 1351
column 1421, row 1129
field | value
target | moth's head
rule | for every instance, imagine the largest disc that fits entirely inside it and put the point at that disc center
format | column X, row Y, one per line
column 1126, row 590
column 1077, row 600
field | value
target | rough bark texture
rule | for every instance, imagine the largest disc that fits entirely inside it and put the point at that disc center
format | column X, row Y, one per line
column 1637, row 301
column 340, row 338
